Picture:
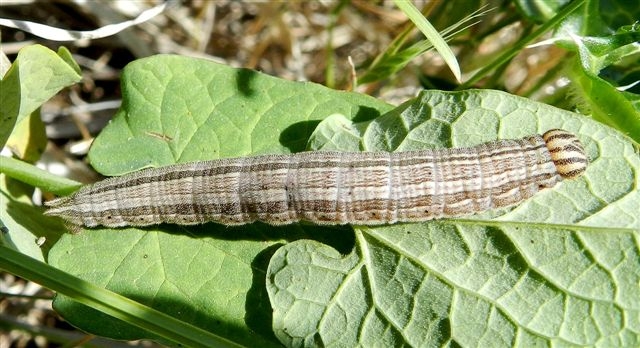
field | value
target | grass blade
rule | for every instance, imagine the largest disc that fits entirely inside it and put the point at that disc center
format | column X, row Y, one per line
column 432, row 35
column 108, row 302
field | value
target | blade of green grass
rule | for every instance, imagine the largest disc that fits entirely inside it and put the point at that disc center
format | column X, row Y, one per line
column 396, row 56
column 108, row 302
column 432, row 35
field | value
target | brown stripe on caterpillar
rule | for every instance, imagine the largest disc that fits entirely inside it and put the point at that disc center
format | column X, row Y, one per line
column 331, row 187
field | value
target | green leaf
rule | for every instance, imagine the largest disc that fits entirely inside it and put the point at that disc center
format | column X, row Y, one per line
column 605, row 103
column 36, row 75
column 600, row 18
column 605, row 43
column 28, row 139
column 178, row 109
column 214, row 277
column 562, row 268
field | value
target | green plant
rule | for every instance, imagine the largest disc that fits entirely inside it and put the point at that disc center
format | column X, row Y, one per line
column 561, row 269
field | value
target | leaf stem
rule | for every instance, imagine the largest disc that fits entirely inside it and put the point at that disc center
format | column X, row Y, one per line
column 37, row 177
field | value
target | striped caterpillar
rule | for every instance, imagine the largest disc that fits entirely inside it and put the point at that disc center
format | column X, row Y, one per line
column 367, row 188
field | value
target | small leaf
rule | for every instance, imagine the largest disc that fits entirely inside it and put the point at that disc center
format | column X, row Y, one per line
column 36, row 75
column 604, row 42
column 605, row 103
column 28, row 139
column 335, row 133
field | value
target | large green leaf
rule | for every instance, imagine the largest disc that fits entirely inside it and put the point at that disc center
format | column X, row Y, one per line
column 178, row 109
column 561, row 269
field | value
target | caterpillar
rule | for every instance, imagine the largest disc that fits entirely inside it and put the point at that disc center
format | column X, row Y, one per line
column 367, row 188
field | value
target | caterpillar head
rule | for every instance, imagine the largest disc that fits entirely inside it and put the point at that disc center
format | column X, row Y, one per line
column 567, row 153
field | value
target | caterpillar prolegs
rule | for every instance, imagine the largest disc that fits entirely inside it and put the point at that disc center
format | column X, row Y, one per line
column 366, row 188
